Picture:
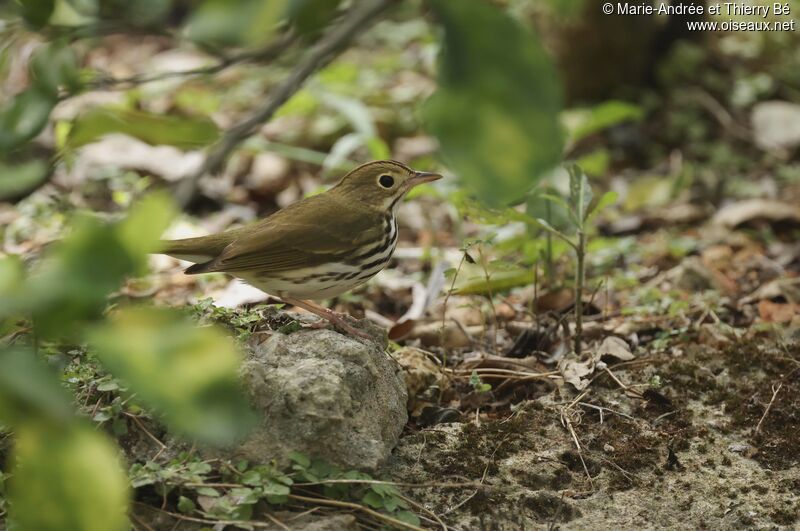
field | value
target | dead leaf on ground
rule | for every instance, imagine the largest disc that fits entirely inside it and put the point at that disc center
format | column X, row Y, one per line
column 735, row 214
column 575, row 372
column 777, row 312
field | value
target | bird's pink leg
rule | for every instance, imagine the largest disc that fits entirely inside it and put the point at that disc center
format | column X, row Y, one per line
column 327, row 314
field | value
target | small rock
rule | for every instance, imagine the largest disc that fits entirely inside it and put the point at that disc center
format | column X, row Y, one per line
column 267, row 174
column 738, row 448
column 776, row 125
column 325, row 395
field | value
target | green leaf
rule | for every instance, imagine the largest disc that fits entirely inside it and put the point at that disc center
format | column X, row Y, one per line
column 580, row 194
column 555, row 232
column 67, row 479
column 373, row 499
column 19, row 179
column 186, row 373
column 139, row 232
column 499, row 281
column 208, row 491
column 185, row 505
column 584, row 122
column 54, row 66
column 300, row 459
column 220, row 23
column 23, row 117
column 72, row 283
column 606, row 200
column 496, row 110
column 311, row 16
column 37, row 12
column 156, row 129
column 29, row 390
column 408, row 517
column 251, row 477
column 108, row 386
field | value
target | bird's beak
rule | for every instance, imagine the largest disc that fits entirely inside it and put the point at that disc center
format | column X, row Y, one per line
column 421, row 177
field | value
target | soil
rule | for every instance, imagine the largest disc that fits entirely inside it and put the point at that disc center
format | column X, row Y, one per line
column 687, row 454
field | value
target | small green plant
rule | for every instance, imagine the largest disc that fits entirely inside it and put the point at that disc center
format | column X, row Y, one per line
column 477, row 384
column 580, row 209
column 354, row 485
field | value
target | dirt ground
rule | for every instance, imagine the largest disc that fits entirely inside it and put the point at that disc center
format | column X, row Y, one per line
column 709, row 449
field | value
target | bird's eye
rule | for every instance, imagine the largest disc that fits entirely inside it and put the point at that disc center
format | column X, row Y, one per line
column 387, row 181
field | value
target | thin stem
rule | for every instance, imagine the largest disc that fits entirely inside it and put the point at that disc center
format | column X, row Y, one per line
column 579, row 279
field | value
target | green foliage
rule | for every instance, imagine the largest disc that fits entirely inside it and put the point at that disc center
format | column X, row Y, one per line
column 29, row 390
column 185, row 373
column 183, row 132
column 37, row 12
column 220, row 23
column 66, row 479
column 20, row 178
column 477, row 384
column 588, row 121
column 311, row 16
column 54, row 67
column 495, row 113
column 70, row 286
column 356, row 485
column 23, row 117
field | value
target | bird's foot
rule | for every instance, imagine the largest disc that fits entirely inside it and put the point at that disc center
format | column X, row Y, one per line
column 328, row 317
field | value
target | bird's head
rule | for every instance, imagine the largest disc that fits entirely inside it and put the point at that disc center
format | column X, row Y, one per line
column 381, row 184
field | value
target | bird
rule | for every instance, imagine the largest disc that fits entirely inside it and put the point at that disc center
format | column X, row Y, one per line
column 316, row 248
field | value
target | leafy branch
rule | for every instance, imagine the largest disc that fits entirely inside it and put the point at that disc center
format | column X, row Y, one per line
column 355, row 21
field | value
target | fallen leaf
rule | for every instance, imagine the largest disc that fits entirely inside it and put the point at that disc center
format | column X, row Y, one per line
column 615, row 347
column 735, row 214
column 776, row 312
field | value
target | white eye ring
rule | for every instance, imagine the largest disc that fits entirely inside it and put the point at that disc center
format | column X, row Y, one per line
column 386, row 181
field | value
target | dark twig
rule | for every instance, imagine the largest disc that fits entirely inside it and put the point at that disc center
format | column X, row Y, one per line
column 354, row 21
column 261, row 55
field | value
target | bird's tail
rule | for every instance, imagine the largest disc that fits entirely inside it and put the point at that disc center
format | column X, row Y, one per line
column 198, row 250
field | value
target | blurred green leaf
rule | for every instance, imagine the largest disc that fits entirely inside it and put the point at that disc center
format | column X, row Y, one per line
column 67, row 479
column 605, row 201
column 220, row 23
column 581, row 123
column 140, row 13
column 595, row 163
column 499, row 281
column 155, row 129
column 311, row 16
column 16, row 180
column 187, row 374
column 580, row 194
column 496, row 110
column 73, row 282
column 55, row 66
column 550, row 207
column 24, row 116
column 185, row 505
column 648, row 191
column 37, row 12
column 29, row 390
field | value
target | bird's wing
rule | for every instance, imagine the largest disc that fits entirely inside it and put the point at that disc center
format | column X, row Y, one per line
column 283, row 242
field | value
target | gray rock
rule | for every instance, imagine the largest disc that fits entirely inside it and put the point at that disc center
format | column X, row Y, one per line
column 325, row 395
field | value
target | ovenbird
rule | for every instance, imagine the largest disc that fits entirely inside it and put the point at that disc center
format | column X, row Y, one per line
column 317, row 248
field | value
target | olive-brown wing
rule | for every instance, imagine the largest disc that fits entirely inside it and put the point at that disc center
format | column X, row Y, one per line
column 309, row 233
